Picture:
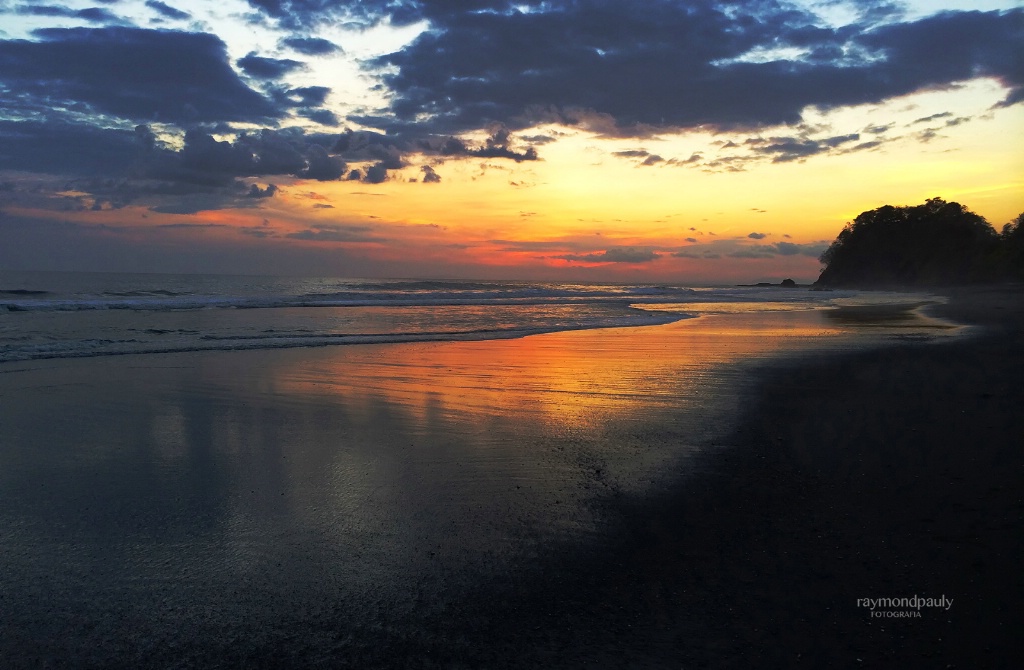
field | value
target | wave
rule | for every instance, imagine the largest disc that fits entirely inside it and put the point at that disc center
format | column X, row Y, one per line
column 152, row 292
column 22, row 291
column 207, row 342
column 412, row 294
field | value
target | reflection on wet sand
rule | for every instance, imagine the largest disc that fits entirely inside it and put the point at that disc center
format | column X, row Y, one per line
column 360, row 486
column 908, row 315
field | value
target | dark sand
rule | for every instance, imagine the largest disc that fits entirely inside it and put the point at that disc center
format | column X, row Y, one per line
column 891, row 473
column 888, row 473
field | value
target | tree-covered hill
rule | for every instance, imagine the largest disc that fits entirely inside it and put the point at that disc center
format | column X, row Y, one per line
column 933, row 244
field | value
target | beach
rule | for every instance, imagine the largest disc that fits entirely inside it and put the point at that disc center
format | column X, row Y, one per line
column 714, row 492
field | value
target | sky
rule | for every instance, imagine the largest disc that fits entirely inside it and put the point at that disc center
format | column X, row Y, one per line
column 692, row 141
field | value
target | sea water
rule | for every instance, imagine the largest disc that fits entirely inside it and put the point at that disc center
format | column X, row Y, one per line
column 69, row 315
column 292, row 505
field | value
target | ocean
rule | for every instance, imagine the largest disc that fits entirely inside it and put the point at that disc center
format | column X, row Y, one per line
column 194, row 472
column 70, row 315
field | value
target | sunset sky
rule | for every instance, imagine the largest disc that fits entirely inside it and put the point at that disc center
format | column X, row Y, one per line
column 702, row 141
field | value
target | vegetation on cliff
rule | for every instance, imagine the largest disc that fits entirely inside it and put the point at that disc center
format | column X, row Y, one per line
column 933, row 244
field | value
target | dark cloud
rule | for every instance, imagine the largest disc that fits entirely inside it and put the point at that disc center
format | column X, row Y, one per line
column 753, row 252
column 198, row 202
column 376, row 174
column 192, row 225
column 257, row 232
column 336, row 233
column 256, row 192
column 310, row 46
column 931, row 117
column 304, row 14
column 878, row 130
column 135, row 74
column 204, row 174
column 538, row 139
column 864, row 146
column 757, row 236
column 614, row 255
column 786, row 149
column 91, row 14
column 788, row 248
column 430, row 176
column 205, row 160
column 267, row 68
column 629, row 67
column 324, row 117
column 498, row 145
column 953, row 46
column 320, row 165
column 734, row 248
column 813, row 250
column 309, row 96
column 167, row 11
column 73, row 149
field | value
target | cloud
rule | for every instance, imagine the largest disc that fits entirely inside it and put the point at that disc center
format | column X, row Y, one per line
column 310, row 46
column 931, row 117
column 786, row 149
column 634, row 67
column 256, row 192
column 167, row 11
column 304, row 96
column 812, row 250
column 753, row 252
column 757, row 236
column 205, row 160
column 376, row 174
column 66, row 148
column 192, row 225
column 320, row 165
column 197, row 202
column 91, row 14
column 131, row 73
column 305, row 14
column 614, row 255
column 322, row 116
column 336, row 233
column 498, row 145
column 119, row 167
column 429, row 175
column 267, row 68
column 788, row 248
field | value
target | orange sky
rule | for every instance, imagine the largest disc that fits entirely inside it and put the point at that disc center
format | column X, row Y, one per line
column 680, row 203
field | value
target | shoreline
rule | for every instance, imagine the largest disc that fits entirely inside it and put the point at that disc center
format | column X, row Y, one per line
column 890, row 473
column 825, row 495
column 840, row 482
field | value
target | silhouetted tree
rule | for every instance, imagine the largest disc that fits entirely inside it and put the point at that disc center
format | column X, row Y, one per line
column 935, row 243
column 1011, row 244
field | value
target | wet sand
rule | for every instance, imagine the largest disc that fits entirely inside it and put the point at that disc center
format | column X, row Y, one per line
column 891, row 473
column 235, row 509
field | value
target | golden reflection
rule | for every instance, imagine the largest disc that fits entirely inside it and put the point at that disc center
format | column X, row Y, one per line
column 557, row 379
